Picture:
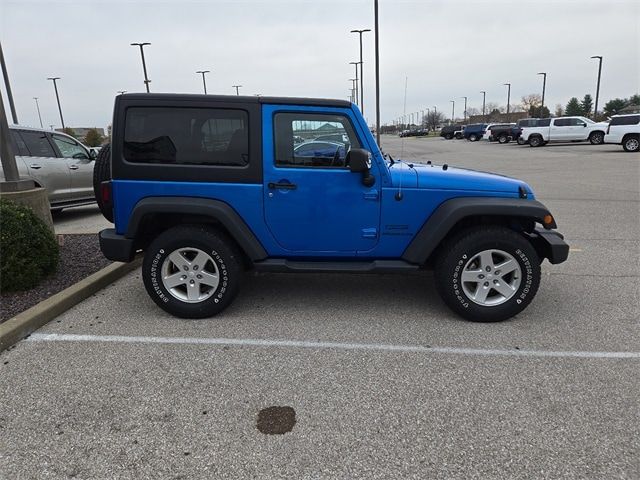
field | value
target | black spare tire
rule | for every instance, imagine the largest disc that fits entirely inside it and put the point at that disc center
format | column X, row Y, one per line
column 102, row 173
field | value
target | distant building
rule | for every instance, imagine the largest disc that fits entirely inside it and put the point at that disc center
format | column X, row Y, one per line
column 498, row 117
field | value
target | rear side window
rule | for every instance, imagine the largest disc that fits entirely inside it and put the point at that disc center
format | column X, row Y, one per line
column 543, row 122
column 189, row 136
column 629, row 120
column 38, row 144
column 18, row 144
column 562, row 122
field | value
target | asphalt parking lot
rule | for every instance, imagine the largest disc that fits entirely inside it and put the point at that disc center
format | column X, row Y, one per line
column 385, row 381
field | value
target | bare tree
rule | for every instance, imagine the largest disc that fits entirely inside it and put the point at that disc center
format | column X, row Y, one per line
column 559, row 110
column 531, row 102
column 434, row 119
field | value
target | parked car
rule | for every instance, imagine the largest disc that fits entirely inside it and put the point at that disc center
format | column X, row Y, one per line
column 624, row 130
column 504, row 133
column 523, row 123
column 56, row 162
column 203, row 215
column 449, row 131
column 564, row 129
column 459, row 132
column 475, row 131
column 333, row 137
column 331, row 154
column 488, row 135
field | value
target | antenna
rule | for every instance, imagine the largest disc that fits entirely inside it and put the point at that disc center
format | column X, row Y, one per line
column 398, row 195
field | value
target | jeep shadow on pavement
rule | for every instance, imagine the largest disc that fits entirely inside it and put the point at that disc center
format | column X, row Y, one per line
column 211, row 186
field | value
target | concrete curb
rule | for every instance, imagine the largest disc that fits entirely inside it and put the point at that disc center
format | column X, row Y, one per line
column 18, row 327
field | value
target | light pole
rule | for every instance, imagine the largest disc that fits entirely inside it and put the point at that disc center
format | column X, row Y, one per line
column 237, row 87
column 122, row 92
column 7, row 85
column 55, row 87
column 453, row 110
column 544, row 86
column 375, row 16
column 508, row 98
column 360, row 32
column 465, row 109
column 484, row 98
column 595, row 110
column 355, row 64
column 204, row 81
column 38, row 108
column 354, row 90
column 144, row 65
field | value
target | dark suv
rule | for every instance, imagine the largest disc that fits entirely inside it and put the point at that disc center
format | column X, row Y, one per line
column 211, row 186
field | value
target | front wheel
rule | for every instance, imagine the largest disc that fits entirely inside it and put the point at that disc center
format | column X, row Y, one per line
column 473, row 137
column 192, row 271
column 535, row 141
column 521, row 141
column 488, row 274
column 631, row 143
column 596, row 138
column 503, row 139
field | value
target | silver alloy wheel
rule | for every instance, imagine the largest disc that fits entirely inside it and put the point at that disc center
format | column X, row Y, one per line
column 632, row 144
column 491, row 278
column 190, row 275
column 597, row 138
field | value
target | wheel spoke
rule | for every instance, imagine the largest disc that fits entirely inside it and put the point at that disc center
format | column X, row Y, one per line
column 193, row 291
column 471, row 275
column 486, row 259
column 173, row 280
column 503, row 289
column 507, row 267
column 210, row 279
column 200, row 260
column 481, row 293
column 178, row 260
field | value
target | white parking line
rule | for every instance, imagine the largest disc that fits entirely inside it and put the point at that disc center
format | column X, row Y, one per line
column 56, row 337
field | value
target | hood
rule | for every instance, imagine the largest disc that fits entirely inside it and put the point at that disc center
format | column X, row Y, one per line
column 435, row 177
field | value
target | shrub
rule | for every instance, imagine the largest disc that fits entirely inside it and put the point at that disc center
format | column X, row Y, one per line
column 28, row 249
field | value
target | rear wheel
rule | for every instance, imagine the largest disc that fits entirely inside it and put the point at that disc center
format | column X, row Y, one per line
column 535, row 141
column 473, row 137
column 449, row 136
column 596, row 138
column 488, row 274
column 102, row 173
column 503, row 139
column 521, row 141
column 631, row 143
column 192, row 271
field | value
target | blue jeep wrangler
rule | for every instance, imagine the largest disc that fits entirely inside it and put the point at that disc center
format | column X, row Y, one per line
column 211, row 186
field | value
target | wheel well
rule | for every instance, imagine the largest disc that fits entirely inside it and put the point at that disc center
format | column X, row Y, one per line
column 153, row 224
column 518, row 224
column 630, row 135
column 597, row 131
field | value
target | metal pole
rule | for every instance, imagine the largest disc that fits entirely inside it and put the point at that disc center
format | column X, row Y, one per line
column 465, row 109
column 7, row 157
column 360, row 32
column 508, row 99
column 144, row 64
column 204, row 82
column 453, row 110
column 484, row 97
column 7, row 85
column 355, row 64
column 237, row 87
column 544, row 85
column 38, row 108
column 55, row 87
column 375, row 14
column 595, row 110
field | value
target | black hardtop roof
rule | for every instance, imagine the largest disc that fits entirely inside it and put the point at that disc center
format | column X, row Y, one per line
column 238, row 99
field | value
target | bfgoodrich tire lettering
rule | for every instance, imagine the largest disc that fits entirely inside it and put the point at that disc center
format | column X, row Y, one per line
column 505, row 244
column 180, row 248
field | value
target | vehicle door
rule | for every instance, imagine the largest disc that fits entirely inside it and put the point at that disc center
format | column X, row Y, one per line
column 560, row 129
column 45, row 167
column 21, row 152
column 578, row 129
column 314, row 205
column 79, row 163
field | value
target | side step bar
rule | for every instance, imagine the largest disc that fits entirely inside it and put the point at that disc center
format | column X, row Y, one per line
column 278, row 265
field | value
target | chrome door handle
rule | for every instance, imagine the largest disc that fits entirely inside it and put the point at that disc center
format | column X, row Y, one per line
column 35, row 166
column 73, row 167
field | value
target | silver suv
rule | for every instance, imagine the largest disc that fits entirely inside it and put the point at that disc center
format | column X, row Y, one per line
column 57, row 162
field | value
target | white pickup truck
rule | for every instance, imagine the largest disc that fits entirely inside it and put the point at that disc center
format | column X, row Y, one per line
column 564, row 129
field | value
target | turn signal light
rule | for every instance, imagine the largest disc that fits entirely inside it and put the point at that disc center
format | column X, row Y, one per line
column 548, row 219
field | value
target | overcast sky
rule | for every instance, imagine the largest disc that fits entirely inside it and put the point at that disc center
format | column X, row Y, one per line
column 447, row 49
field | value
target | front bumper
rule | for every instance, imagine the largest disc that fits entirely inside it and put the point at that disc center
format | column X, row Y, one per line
column 116, row 247
column 550, row 245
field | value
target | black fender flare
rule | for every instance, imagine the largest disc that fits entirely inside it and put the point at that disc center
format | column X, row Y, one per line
column 214, row 209
column 450, row 212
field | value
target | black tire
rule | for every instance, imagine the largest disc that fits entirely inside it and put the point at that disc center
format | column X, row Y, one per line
column 631, row 143
column 462, row 249
column 102, row 173
column 535, row 141
column 503, row 139
column 224, row 258
column 521, row 141
column 449, row 136
column 458, row 136
column 473, row 137
column 596, row 138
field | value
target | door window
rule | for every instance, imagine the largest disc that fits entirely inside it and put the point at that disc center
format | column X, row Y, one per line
column 38, row 144
column 562, row 122
column 18, row 144
column 326, row 140
column 69, row 148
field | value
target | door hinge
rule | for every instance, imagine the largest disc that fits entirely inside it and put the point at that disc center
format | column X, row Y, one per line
column 371, row 195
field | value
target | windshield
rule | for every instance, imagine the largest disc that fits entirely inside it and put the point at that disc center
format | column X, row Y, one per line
column 588, row 120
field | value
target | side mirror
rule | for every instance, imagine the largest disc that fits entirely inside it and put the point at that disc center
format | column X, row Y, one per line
column 359, row 161
column 93, row 154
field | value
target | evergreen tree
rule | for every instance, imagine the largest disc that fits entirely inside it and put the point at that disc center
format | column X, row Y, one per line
column 573, row 108
column 613, row 106
column 93, row 138
column 586, row 105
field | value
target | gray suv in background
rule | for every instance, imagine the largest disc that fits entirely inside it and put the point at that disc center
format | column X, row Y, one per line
column 56, row 162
